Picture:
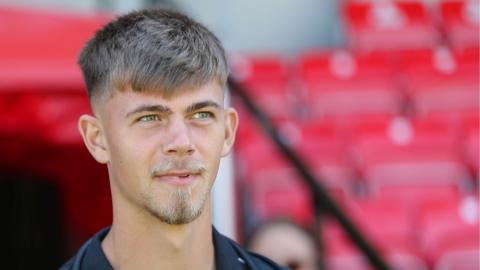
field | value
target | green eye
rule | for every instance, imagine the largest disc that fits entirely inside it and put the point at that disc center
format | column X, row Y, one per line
column 202, row 115
column 148, row 118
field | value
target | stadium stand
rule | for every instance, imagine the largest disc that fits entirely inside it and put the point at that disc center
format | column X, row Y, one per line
column 389, row 125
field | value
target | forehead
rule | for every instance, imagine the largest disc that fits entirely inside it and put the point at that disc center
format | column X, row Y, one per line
column 182, row 98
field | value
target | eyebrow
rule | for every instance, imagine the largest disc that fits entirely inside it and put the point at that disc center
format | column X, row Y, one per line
column 149, row 108
column 200, row 105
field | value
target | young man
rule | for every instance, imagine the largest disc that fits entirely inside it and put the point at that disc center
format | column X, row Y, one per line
column 156, row 81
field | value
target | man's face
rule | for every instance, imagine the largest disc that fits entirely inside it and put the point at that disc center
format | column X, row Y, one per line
column 163, row 153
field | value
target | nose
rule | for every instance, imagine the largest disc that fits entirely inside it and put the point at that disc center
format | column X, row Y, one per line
column 178, row 140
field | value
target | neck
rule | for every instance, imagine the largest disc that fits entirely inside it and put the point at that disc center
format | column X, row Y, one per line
column 138, row 240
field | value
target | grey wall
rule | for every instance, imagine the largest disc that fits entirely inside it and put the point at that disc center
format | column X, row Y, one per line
column 269, row 25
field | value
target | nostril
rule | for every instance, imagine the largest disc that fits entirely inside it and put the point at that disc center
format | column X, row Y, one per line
column 179, row 150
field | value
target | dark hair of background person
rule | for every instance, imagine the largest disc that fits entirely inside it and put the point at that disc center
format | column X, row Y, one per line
column 265, row 226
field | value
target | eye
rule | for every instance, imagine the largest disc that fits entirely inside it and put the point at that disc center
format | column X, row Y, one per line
column 202, row 115
column 149, row 118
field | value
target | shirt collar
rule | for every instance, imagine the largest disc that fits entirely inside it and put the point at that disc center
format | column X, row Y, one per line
column 95, row 258
column 226, row 258
column 225, row 255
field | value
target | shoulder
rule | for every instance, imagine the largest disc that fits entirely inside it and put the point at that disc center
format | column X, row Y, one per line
column 90, row 255
column 259, row 261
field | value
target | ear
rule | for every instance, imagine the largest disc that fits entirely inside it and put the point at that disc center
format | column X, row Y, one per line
column 93, row 137
column 231, row 125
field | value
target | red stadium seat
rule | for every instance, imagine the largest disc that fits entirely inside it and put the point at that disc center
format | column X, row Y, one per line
column 270, row 181
column 389, row 25
column 246, row 67
column 279, row 193
column 401, row 153
column 443, row 82
column 461, row 19
column 323, row 148
column 342, row 254
column 343, row 64
column 459, row 260
column 414, row 195
column 387, row 223
column 449, row 225
column 340, row 84
column 267, row 80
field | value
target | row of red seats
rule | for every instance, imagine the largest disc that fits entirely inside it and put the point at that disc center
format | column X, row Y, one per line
column 389, row 128
column 341, row 83
column 420, row 208
column 442, row 227
column 413, row 24
column 382, row 156
column 356, row 141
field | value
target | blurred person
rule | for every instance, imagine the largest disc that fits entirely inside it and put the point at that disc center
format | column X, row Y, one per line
column 286, row 243
column 155, row 81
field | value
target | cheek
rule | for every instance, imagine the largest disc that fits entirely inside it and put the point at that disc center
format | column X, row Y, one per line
column 130, row 156
column 209, row 143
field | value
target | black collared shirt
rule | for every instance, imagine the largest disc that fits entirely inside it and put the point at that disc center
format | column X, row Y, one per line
column 228, row 256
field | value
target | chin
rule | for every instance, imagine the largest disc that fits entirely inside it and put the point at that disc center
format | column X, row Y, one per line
column 183, row 205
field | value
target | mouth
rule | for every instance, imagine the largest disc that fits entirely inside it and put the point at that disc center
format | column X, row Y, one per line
column 177, row 178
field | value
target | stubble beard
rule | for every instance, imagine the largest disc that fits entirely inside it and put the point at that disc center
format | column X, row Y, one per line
column 181, row 208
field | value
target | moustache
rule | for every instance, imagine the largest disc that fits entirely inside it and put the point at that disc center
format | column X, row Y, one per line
column 190, row 166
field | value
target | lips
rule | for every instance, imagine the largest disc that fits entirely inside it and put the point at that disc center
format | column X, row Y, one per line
column 177, row 178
